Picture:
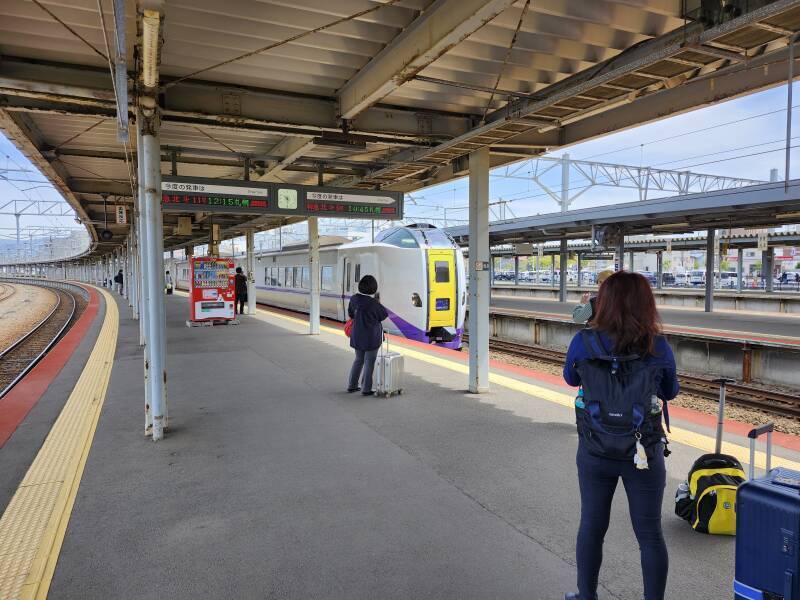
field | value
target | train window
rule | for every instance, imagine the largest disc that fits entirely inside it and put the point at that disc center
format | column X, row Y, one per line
column 442, row 271
column 436, row 238
column 297, row 281
column 347, row 277
column 357, row 276
column 289, row 280
column 306, row 282
column 402, row 238
column 327, row 278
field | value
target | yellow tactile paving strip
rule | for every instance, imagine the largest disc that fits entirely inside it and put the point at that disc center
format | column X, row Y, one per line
column 33, row 525
column 678, row 434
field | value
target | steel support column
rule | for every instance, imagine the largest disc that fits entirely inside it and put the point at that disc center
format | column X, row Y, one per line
column 740, row 270
column 314, row 271
column 621, row 253
column 479, row 285
column 250, row 238
column 659, row 270
column 710, row 247
column 516, row 270
column 766, row 268
column 562, row 277
column 580, row 269
column 154, row 255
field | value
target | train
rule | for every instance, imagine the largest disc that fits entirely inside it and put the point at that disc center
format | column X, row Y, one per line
column 420, row 271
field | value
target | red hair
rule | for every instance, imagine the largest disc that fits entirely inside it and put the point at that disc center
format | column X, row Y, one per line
column 626, row 312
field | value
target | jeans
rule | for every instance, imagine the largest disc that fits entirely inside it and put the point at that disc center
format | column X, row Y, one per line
column 598, row 477
column 365, row 360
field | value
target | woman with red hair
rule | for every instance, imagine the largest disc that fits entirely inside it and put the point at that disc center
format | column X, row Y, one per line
column 623, row 365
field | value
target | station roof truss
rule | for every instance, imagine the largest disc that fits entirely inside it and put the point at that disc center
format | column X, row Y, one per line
column 746, row 240
column 766, row 205
column 390, row 94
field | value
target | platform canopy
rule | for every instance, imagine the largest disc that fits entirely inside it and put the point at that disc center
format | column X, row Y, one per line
column 766, row 205
column 377, row 95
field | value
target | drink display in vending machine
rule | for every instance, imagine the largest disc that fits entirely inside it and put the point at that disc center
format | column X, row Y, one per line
column 212, row 295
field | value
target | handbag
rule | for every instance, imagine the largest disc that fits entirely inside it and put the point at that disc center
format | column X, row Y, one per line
column 348, row 327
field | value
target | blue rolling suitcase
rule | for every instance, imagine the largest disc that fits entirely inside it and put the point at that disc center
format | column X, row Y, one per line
column 768, row 531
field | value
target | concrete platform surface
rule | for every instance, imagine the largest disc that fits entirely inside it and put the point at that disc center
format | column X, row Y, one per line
column 275, row 483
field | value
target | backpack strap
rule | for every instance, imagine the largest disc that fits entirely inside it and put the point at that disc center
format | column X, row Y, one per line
column 593, row 344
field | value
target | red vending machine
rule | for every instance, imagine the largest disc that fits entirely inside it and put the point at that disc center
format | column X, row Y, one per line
column 212, row 295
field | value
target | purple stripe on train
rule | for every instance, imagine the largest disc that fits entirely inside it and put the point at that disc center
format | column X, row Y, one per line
column 406, row 329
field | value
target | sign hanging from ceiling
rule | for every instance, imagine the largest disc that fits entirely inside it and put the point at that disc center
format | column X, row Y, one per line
column 198, row 194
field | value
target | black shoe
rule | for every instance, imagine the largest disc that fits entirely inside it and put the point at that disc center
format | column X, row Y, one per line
column 351, row 390
column 367, row 393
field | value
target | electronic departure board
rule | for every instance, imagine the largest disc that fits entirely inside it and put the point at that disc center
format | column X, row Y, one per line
column 197, row 194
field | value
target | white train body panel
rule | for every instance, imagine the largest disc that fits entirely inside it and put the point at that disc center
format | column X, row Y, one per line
column 423, row 287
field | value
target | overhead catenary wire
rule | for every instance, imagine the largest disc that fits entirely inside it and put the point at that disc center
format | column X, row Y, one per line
column 691, row 132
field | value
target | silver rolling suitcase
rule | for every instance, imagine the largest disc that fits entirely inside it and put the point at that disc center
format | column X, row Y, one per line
column 388, row 372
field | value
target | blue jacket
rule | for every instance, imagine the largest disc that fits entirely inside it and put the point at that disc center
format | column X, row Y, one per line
column 367, row 314
column 668, row 383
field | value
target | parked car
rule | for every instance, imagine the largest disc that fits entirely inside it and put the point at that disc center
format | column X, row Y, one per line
column 668, row 279
column 651, row 278
column 728, row 279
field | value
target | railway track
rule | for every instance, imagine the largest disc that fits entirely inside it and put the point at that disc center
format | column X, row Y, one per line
column 21, row 356
column 6, row 291
column 771, row 401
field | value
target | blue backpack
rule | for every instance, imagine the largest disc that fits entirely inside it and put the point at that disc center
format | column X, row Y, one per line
column 620, row 405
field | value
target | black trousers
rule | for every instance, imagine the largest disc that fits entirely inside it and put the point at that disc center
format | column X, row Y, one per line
column 238, row 304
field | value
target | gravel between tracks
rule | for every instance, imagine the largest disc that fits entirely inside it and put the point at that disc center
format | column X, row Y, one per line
column 27, row 307
column 704, row 405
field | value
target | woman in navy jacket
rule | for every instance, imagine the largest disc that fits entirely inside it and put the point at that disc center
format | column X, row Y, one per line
column 367, row 334
column 626, row 322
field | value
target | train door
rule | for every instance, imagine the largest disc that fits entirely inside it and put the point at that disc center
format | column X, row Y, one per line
column 442, row 289
column 347, row 284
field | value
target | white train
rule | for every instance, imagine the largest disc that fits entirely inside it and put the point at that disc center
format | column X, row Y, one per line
column 420, row 273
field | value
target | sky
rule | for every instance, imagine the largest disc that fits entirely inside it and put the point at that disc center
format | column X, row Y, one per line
column 743, row 137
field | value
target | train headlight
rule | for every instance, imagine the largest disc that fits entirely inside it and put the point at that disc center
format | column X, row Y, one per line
column 416, row 300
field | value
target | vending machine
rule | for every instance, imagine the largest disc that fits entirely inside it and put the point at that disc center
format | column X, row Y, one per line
column 213, row 294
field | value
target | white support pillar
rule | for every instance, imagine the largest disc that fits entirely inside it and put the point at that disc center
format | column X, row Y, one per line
column 562, row 276
column 710, row 247
column 141, row 230
column 579, row 282
column 154, row 255
column 250, row 238
column 479, row 285
column 313, row 269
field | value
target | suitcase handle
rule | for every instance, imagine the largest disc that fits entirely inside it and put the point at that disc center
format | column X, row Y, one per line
column 722, row 381
column 754, row 434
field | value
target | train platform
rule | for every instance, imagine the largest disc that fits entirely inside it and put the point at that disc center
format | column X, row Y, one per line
column 273, row 482
column 782, row 328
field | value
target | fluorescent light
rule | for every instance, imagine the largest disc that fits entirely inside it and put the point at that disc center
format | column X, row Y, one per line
column 669, row 226
column 151, row 22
